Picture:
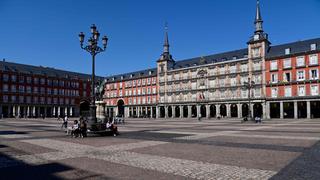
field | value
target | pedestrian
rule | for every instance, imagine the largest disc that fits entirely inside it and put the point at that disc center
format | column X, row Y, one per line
column 65, row 122
column 110, row 125
column 83, row 128
column 75, row 132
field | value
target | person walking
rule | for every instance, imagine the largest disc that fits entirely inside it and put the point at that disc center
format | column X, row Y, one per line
column 65, row 122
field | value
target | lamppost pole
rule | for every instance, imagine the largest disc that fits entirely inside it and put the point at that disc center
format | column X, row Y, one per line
column 93, row 49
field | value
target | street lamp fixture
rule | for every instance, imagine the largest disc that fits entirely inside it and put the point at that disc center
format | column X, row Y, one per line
column 249, row 85
column 93, row 49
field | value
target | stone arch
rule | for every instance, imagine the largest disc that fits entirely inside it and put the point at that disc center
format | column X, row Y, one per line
column 245, row 110
column 212, row 110
column 185, row 111
column 120, row 106
column 223, row 110
column 234, row 110
column 177, row 111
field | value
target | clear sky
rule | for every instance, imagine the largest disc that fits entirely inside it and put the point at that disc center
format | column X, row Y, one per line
column 45, row 32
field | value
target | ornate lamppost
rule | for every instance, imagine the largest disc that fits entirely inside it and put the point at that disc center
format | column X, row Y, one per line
column 93, row 49
column 249, row 85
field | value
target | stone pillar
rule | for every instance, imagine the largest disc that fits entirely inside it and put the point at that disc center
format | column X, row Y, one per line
column 308, row 110
column 33, row 111
column 9, row 111
column 28, row 111
column 198, row 111
column 251, row 110
column 157, row 112
column 264, row 115
column 217, row 110
column 45, row 112
column 66, row 111
column 71, row 111
column 138, row 111
column 239, row 110
column 53, row 111
column 181, row 111
column 228, row 110
column 59, row 109
column 173, row 111
column 208, row 111
column 268, row 110
column 189, row 112
column 295, row 106
column 14, row 111
column 19, row 114
column 151, row 112
column 281, row 109
column 166, row 112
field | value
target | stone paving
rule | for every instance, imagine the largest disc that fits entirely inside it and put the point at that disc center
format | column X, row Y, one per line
column 163, row 149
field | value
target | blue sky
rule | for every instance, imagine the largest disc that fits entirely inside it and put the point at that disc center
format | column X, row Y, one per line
column 45, row 32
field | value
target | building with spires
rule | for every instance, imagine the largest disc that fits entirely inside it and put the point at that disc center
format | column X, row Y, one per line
column 280, row 81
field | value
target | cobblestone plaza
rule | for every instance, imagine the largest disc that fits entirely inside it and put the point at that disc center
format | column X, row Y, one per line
column 163, row 149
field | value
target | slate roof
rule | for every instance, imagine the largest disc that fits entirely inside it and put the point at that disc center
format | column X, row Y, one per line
column 133, row 75
column 43, row 71
column 273, row 52
column 296, row 48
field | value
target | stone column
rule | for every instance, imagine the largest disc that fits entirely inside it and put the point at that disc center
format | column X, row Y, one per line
column 166, row 112
column 59, row 109
column 268, row 110
column 264, row 115
column 38, row 112
column 181, row 111
column 239, row 110
column 157, row 112
column 189, row 112
column 217, row 110
column 295, row 107
column 28, row 111
column 251, row 110
column 228, row 110
column 173, row 111
column 138, row 111
column 18, row 111
column 14, row 111
column 198, row 111
column 208, row 111
column 45, row 112
column 308, row 110
column 281, row 109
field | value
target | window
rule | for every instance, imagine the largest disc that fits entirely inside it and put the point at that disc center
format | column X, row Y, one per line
column 5, row 77
column 232, row 69
column 13, row 78
column 35, row 80
column 5, row 98
column 301, row 91
column 29, row 80
column 154, row 90
column 287, row 63
column 42, row 81
column 287, row 77
column 287, row 51
column 274, row 92
column 257, row 92
column 21, row 99
column 300, row 76
column 28, row 99
column 244, row 67
column 28, row 89
column 5, row 88
column 314, row 90
column 314, row 75
column 313, row 47
column 13, row 99
column 21, row 79
column 300, row 61
column 274, row 78
column 21, row 89
column 256, row 52
column 287, row 91
column 273, row 65
column 313, row 59
column 13, row 88
column 244, row 94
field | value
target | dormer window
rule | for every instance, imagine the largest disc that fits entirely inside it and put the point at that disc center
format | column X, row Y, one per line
column 131, row 75
column 313, row 47
column 121, row 77
column 287, row 51
column 195, row 64
column 113, row 79
column 256, row 52
column 150, row 72
column 234, row 57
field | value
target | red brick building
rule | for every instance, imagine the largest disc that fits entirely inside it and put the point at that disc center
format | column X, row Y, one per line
column 36, row 91
column 132, row 94
column 293, row 81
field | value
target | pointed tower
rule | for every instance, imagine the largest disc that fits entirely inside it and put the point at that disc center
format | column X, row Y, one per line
column 258, row 47
column 165, row 61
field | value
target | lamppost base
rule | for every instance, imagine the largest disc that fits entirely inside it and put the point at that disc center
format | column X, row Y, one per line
column 92, row 119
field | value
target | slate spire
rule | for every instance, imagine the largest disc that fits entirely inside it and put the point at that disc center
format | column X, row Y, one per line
column 258, row 20
column 166, row 40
